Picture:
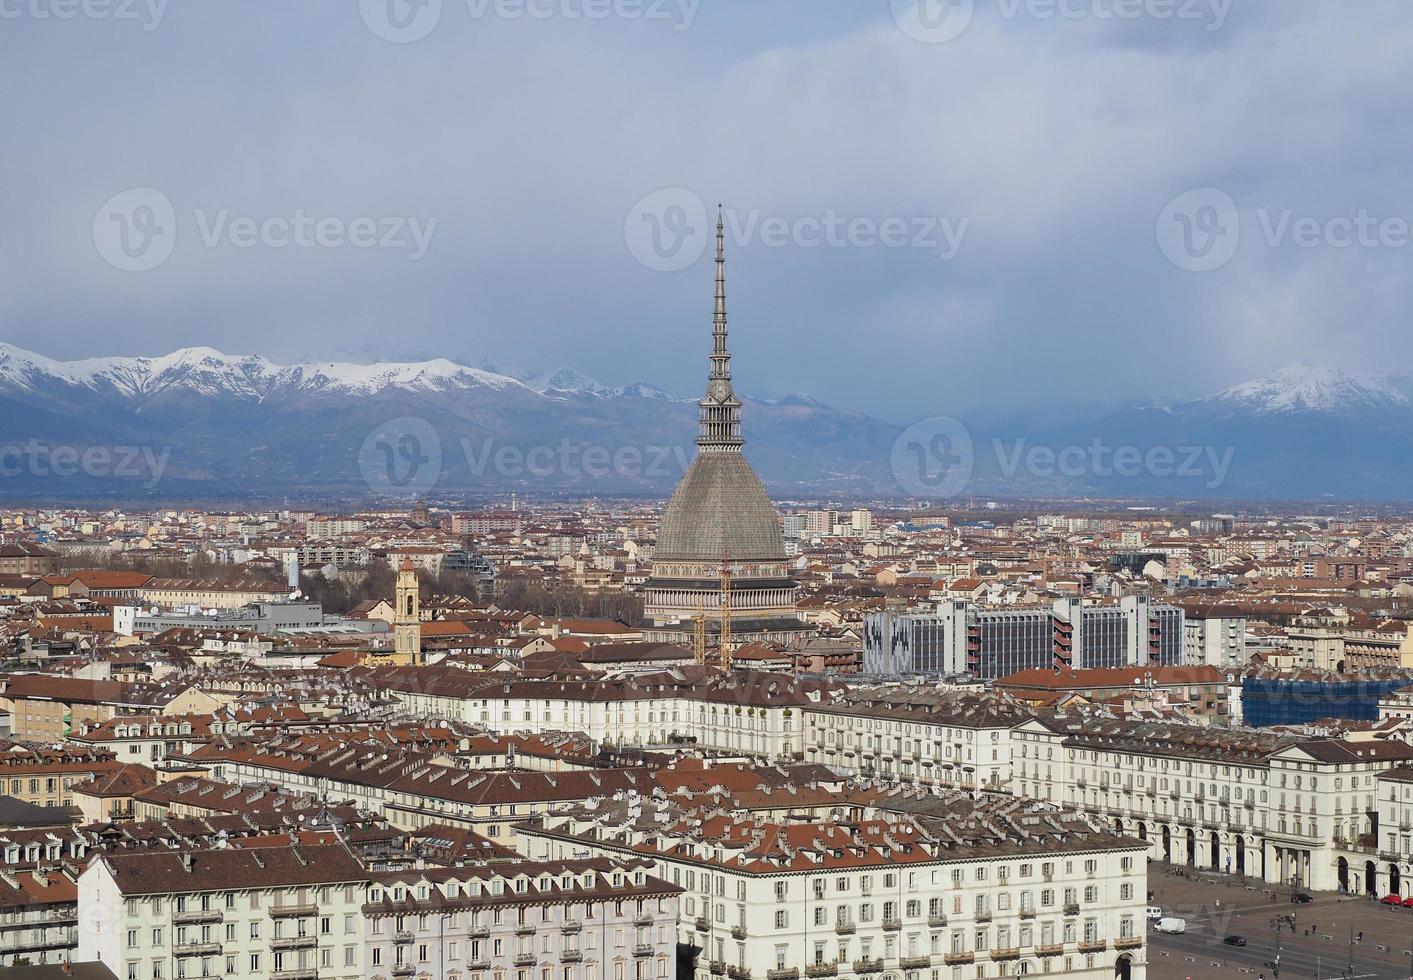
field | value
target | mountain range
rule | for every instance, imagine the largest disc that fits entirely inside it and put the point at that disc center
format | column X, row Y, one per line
column 198, row 424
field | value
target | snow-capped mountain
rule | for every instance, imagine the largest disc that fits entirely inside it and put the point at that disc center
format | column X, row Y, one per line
column 243, row 424
column 209, row 372
column 1310, row 388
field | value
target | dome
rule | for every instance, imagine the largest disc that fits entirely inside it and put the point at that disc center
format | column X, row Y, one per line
column 719, row 508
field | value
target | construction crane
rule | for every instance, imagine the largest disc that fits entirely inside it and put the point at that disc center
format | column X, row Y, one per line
column 725, row 644
column 699, row 634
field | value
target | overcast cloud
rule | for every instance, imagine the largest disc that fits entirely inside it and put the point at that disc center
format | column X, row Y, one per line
column 1018, row 170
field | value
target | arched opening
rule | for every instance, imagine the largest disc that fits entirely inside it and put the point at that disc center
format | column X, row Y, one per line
column 1123, row 967
column 1191, row 847
column 1167, row 844
column 1394, row 880
column 1217, row 852
column 1118, row 826
column 1241, row 855
column 1143, row 831
column 1371, row 879
column 1342, row 870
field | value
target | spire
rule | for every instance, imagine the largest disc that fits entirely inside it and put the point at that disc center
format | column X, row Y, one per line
column 720, row 428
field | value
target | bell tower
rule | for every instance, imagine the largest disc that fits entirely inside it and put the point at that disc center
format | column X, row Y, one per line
column 407, row 615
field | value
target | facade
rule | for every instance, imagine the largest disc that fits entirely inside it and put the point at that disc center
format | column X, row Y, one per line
column 569, row 920
column 407, row 615
column 1215, row 641
column 964, row 637
column 720, row 523
column 292, row 912
column 890, row 893
column 1291, row 811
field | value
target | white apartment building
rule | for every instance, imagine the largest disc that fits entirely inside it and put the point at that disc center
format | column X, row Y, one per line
column 288, row 913
column 990, row 891
column 1215, row 641
column 591, row 919
column 1289, row 810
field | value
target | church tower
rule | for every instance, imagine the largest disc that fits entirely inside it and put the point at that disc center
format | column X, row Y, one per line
column 719, row 527
column 407, row 615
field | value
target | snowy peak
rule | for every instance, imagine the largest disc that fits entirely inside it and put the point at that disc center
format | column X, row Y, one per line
column 1311, row 388
column 205, row 371
column 561, row 379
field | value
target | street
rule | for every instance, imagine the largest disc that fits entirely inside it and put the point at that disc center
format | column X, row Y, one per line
column 1320, row 942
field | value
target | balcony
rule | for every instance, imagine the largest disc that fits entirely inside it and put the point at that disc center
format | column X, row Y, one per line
column 567, row 926
column 1013, row 953
column 868, row 966
column 525, row 929
column 830, row 969
column 524, row 959
column 783, row 973
column 1054, row 949
column 305, row 942
column 957, row 959
column 717, row 967
column 1071, row 908
column 644, row 949
column 1027, row 912
column 571, row 955
column 401, row 970
column 196, row 917
column 936, row 921
column 738, row 932
column 892, row 925
column 288, row 911
column 914, row 962
column 1094, row 946
column 645, row 919
column 983, row 917
column 739, row 972
column 197, row 949
column 312, row 973
column 1128, row 942
column 402, row 936
column 480, row 963
column 845, row 928
column 484, row 932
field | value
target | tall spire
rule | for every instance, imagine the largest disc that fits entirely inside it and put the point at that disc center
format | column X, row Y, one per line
column 720, row 427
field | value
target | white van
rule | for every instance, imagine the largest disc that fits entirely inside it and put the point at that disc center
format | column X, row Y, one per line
column 1172, row 925
column 1154, row 913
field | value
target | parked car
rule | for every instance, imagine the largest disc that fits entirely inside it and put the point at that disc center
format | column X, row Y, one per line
column 1300, row 898
column 1408, row 903
column 1171, row 925
column 1154, row 913
column 1235, row 940
column 1387, row 900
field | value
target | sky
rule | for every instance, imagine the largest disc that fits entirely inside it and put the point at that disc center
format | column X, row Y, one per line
column 987, row 206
